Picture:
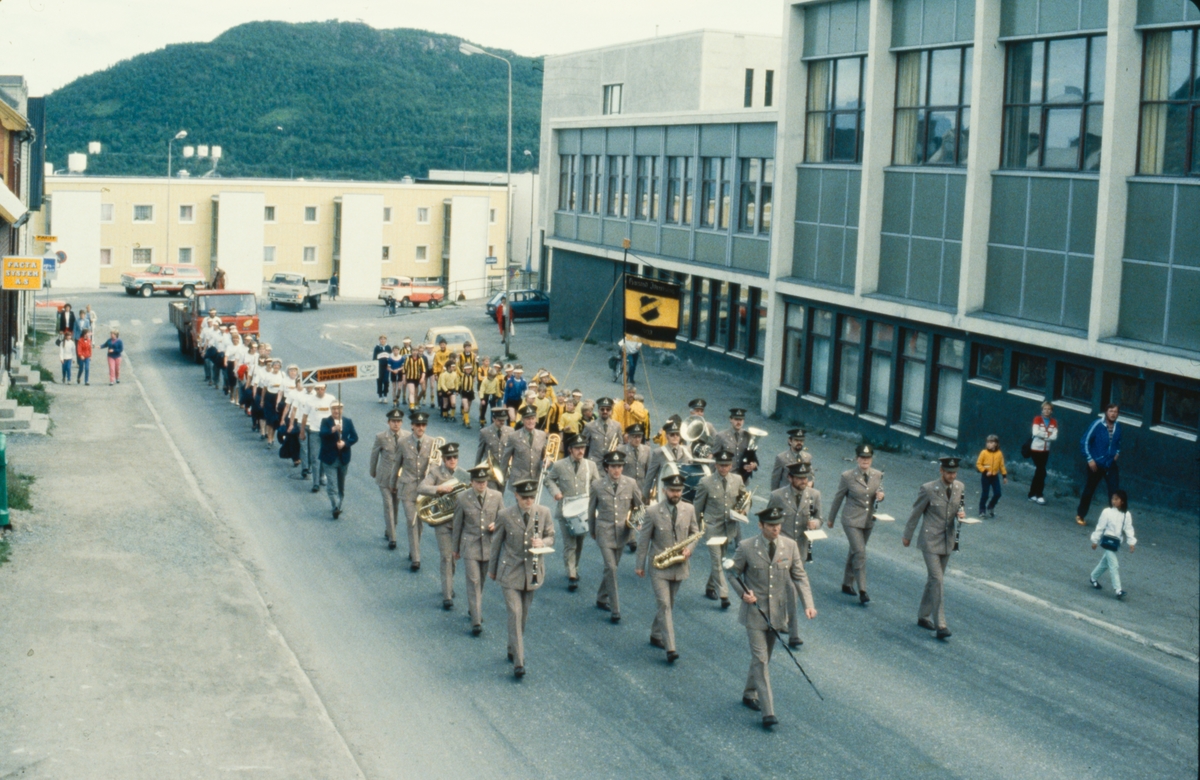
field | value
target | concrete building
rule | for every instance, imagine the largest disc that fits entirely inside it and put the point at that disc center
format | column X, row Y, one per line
column 985, row 204
column 526, row 236
column 253, row 228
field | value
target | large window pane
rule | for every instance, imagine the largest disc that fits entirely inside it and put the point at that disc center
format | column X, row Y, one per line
column 741, row 316
column 765, row 195
column 912, row 393
column 989, row 363
column 849, row 340
column 721, row 298
column 751, row 172
column 881, row 382
column 949, row 399
column 1169, row 137
column 760, row 324
column 793, row 343
column 1062, row 138
column 1077, row 383
column 818, row 381
column 1066, row 67
column 1022, row 136
column 685, row 307
column 945, row 67
column 1029, row 372
column 703, row 304
column 1128, row 393
column 1179, row 408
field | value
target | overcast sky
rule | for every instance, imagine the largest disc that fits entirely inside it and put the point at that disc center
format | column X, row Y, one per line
column 52, row 42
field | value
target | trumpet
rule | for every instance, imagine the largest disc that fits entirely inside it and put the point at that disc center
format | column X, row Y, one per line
column 553, row 449
column 673, row 555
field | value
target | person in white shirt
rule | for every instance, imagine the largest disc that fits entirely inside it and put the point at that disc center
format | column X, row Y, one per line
column 202, row 345
column 1115, row 523
column 66, row 353
column 272, row 392
column 1045, row 431
column 633, row 353
column 318, row 409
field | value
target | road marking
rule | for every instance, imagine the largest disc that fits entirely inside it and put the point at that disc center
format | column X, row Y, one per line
column 350, row 325
column 157, row 321
column 330, row 325
column 1104, row 625
column 136, row 323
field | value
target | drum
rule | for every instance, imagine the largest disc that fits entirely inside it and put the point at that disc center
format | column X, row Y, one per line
column 692, row 474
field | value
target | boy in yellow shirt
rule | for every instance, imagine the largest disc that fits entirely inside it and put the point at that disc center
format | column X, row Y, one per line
column 447, row 386
column 990, row 465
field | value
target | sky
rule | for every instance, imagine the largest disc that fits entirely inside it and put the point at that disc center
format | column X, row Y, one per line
column 52, row 42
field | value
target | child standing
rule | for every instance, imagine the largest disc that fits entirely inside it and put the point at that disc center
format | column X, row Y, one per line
column 1115, row 524
column 83, row 357
column 66, row 353
column 115, row 348
column 990, row 465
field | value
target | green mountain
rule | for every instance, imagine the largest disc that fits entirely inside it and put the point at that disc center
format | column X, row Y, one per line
column 318, row 100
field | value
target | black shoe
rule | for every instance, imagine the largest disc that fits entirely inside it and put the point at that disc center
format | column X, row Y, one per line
column 573, row 584
column 751, row 704
column 769, row 721
column 414, row 566
column 849, row 591
column 1095, row 584
column 316, row 489
column 337, row 513
column 724, row 603
column 863, row 598
column 447, row 604
column 943, row 633
column 305, row 473
column 615, row 619
column 795, row 641
column 1121, row 594
column 710, row 594
column 510, row 658
column 672, row 656
column 603, row 606
column 391, row 545
column 476, row 630
column 926, row 623
column 657, row 643
column 519, row 671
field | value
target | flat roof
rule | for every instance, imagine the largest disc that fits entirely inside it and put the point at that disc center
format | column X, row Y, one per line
column 660, row 38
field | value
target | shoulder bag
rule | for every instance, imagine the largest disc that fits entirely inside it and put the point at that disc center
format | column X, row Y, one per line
column 1110, row 542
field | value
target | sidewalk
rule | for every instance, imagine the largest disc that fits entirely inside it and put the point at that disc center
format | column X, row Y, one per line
column 135, row 641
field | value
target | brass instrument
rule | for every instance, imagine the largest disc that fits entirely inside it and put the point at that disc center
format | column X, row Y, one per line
column 613, row 442
column 672, row 465
column 435, row 456
column 740, row 510
column 695, row 433
column 553, row 450
column 438, row 510
column 673, row 555
column 494, row 470
column 755, row 435
column 634, row 518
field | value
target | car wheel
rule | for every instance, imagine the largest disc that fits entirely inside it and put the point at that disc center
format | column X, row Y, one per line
column 406, row 302
column 188, row 291
column 146, row 291
column 314, row 302
column 274, row 305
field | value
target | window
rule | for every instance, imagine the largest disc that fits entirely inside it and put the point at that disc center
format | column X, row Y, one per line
column 741, row 318
column 679, row 190
column 758, row 307
column 143, row 213
column 988, row 363
column 492, row 216
column 849, row 355
column 268, row 213
column 1169, row 144
column 106, row 212
column 914, row 354
column 646, row 202
column 879, row 368
column 105, row 257
column 702, row 302
column 143, row 255
column 1053, row 104
column 721, row 292
column 834, row 111
column 819, row 351
column 769, row 89
column 387, row 254
column 566, row 182
column 748, row 99
column 310, row 254
column 387, row 214
column 1029, row 372
column 618, row 186
column 685, row 307
column 948, row 390
column 714, row 192
column 591, row 184
column 1177, row 408
column 612, row 99
column 491, row 250
column 310, row 213
column 933, row 107
column 1075, row 383
column 187, row 213
column 268, row 255
column 422, row 215
column 1127, row 393
column 422, row 253
column 185, row 255
column 755, row 203
column 793, row 344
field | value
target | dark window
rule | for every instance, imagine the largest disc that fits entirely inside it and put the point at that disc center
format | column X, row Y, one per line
column 1126, row 392
column 1169, row 143
column 758, row 316
column 679, row 190
column 769, row 89
column 647, row 188
column 988, row 363
column 714, row 192
column 703, row 306
column 1053, row 104
column 741, row 319
column 566, row 182
column 1029, row 372
column 612, row 99
column 834, row 111
column 948, row 388
column 1076, row 383
column 933, row 107
column 757, row 180
column 849, row 358
column 911, row 399
column 618, row 186
column 748, row 100
column 685, row 305
column 879, row 368
column 1177, row 408
column 721, row 314
column 793, row 345
column 820, row 352
column 591, row 184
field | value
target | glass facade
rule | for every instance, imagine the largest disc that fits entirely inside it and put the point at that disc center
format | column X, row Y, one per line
column 833, row 131
column 933, row 107
column 1169, row 140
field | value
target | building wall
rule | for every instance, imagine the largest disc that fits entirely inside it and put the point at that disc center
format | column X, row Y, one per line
column 466, row 261
column 78, row 208
column 240, row 238
column 361, row 245
column 525, row 206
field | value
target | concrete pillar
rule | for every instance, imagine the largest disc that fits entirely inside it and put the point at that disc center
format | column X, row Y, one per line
column 879, row 98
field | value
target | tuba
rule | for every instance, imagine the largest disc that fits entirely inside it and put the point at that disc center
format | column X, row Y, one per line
column 695, row 433
column 438, row 510
column 673, row 555
column 494, row 470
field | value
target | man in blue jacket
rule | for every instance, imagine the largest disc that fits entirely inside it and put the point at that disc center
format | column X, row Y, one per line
column 1101, row 447
column 337, row 437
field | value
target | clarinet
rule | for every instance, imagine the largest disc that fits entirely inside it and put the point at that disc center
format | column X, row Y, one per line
column 958, row 525
column 536, row 534
column 812, row 513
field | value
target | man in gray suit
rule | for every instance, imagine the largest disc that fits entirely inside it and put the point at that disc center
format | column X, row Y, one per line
column 795, row 453
column 766, row 569
column 491, row 443
column 736, row 439
column 667, row 524
column 939, row 507
column 673, row 452
column 524, row 450
column 637, row 454
column 384, row 457
column 862, row 490
column 801, row 508
column 472, row 528
column 716, row 495
column 615, row 498
column 603, row 434
column 413, row 462
column 443, row 478
column 571, row 478
column 521, row 531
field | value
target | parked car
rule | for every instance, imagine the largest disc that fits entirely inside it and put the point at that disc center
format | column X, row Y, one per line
column 174, row 279
column 295, row 290
column 526, row 304
column 454, row 335
column 234, row 307
column 403, row 291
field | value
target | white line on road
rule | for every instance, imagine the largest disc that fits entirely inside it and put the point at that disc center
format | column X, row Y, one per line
column 157, row 321
column 350, row 325
column 137, row 323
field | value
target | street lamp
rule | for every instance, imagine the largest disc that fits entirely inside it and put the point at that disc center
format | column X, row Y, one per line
column 182, row 134
column 468, row 49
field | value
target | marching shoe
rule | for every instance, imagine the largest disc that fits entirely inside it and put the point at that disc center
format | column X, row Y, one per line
column 710, row 594
column 510, row 658
column 305, row 474
column 519, row 671
column 795, row 641
column 391, row 545
column 414, row 566
column 943, row 633
column 1121, row 594
column 657, row 643
column 863, row 598
column 769, row 721
column 724, row 603
column 447, row 604
column 672, row 656
column 603, row 606
column 926, row 623
column 573, row 584
column 632, row 547
column 849, row 591
column 615, row 619
column 1095, row 584
column 476, row 630
column 1041, row 501
column 337, row 513
column 751, row 703
column 316, row 489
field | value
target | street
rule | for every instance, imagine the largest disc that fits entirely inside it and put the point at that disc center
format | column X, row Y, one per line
column 1017, row 692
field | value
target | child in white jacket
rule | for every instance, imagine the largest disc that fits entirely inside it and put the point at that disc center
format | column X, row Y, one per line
column 66, row 353
column 1115, row 521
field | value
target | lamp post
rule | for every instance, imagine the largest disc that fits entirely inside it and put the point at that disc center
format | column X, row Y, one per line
column 182, row 134
column 468, row 49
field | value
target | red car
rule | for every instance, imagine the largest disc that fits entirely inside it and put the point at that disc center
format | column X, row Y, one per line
column 174, row 279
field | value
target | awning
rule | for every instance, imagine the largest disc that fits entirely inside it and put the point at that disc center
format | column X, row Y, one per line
column 11, row 207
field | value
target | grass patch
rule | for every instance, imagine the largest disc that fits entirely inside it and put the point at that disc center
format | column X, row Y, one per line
column 35, row 396
column 46, row 374
column 3, row 551
column 18, row 490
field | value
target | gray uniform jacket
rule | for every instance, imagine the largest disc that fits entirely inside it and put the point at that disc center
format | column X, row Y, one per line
column 659, row 460
column 715, row 496
column 736, row 442
column 520, row 461
column 658, row 533
column 563, row 478
column 384, row 458
column 608, row 509
column 599, row 433
column 637, row 461
column 771, row 580
column 796, row 514
column 782, row 461
column 510, row 560
column 436, row 475
column 491, row 442
column 937, row 507
column 472, row 539
column 859, row 494
column 414, row 459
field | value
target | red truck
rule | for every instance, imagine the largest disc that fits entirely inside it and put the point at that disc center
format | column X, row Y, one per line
column 402, row 290
column 234, row 307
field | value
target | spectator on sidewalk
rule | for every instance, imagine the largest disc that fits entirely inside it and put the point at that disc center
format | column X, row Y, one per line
column 633, row 353
column 115, row 348
column 66, row 355
column 66, row 320
column 85, row 320
column 990, row 465
column 333, row 287
column 83, row 357
column 1115, row 524
column 1045, row 430
column 1101, row 445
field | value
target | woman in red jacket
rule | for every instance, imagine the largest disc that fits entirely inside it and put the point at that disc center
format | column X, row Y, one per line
column 83, row 356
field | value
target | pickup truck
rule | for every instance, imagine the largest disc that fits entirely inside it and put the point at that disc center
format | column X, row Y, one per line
column 402, row 290
column 173, row 279
column 295, row 290
column 234, row 307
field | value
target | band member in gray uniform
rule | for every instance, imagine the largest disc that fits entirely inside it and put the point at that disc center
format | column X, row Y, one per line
column 637, row 454
column 603, row 434
column 440, row 479
column 571, row 478
column 737, row 440
column 674, row 451
column 614, row 499
column 491, row 442
column 795, row 453
column 715, row 496
column 862, row 490
column 939, row 507
column 524, row 450
column 520, row 531
column 800, row 506
column 413, row 464
column 385, row 455
column 696, row 408
column 472, row 528
column 770, row 567
column 668, row 524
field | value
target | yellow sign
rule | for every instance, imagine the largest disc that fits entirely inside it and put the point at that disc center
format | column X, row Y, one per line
column 21, row 273
column 46, row 239
column 651, row 311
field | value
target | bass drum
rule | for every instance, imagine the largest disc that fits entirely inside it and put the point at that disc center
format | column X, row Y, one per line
column 692, row 474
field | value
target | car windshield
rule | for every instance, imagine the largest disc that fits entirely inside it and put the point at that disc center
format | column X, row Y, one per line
column 235, row 305
column 451, row 338
column 391, row 281
column 153, row 269
column 288, row 279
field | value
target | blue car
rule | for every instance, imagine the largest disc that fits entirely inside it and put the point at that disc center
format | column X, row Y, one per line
column 526, row 304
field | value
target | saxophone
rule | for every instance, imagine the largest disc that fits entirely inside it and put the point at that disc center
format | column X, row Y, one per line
column 673, row 555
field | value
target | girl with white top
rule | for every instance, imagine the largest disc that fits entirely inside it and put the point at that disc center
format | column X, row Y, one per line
column 1114, row 526
column 272, row 387
column 66, row 353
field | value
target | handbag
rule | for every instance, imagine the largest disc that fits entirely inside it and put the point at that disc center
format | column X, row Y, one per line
column 1109, row 542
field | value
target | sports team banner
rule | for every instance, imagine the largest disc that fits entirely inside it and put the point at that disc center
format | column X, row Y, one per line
column 651, row 311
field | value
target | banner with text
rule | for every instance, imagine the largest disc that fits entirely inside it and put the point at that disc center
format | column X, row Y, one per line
column 651, row 311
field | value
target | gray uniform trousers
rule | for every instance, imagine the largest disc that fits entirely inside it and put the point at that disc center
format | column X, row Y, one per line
column 931, row 600
column 445, row 542
column 391, row 508
column 664, row 597
column 805, row 544
column 607, row 594
column 856, row 558
column 518, row 602
column 572, row 549
column 716, row 575
column 758, row 681
column 476, row 572
column 408, row 497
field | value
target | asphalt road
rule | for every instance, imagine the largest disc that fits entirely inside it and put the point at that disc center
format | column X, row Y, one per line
column 1015, row 693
